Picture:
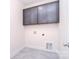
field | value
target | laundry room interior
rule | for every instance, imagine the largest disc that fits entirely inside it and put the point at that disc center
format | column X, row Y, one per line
column 39, row 29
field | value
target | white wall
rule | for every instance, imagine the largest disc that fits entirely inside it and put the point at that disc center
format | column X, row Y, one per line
column 16, row 27
column 55, row 33
column 63, row 26
column 36, row 40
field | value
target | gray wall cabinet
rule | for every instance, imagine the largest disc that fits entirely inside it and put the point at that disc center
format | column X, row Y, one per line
column 30, row 16
column 48, row 13
column 43, row 14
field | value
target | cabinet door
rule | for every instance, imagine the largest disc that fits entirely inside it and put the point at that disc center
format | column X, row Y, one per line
column 30, row 16
column 53, row 12
column 42, row 14
column 48, row 13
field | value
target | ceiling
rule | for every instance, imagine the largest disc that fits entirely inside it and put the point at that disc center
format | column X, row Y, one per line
column 33, row 1
column 29, row 1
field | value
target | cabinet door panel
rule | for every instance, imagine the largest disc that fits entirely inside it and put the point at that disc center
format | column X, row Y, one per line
column 48, row 13
column 42, row 14
column 30, row 16
column 53, row 13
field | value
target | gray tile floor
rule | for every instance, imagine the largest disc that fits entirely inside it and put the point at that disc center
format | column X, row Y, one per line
column 28, row 53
